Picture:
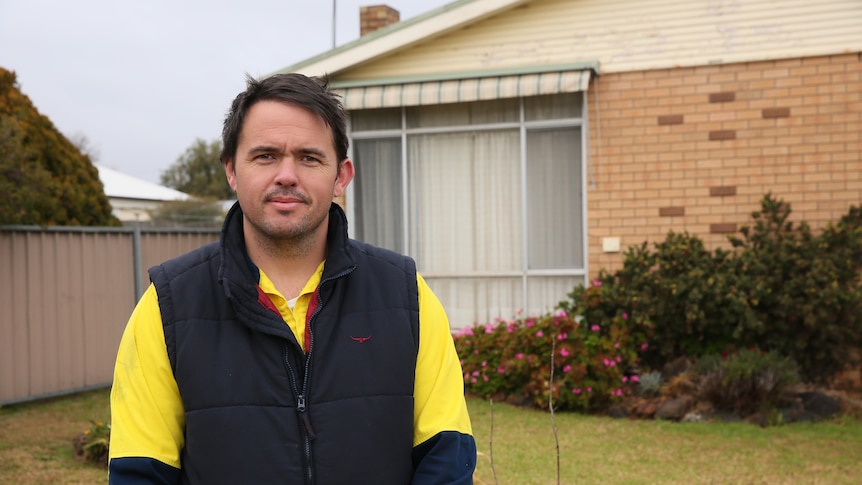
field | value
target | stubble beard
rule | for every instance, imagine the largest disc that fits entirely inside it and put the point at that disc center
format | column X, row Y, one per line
column 287, row 240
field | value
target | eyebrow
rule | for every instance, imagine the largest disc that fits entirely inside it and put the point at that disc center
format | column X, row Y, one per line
column 273, row 149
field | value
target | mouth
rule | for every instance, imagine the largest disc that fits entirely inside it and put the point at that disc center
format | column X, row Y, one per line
column 285, row 202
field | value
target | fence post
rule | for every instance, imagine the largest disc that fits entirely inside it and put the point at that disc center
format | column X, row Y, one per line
column 136, row 263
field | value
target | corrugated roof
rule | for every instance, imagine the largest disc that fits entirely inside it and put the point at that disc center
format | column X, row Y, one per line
column 123, row 186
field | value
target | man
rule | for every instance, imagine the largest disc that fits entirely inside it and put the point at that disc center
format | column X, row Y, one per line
column 286, row 352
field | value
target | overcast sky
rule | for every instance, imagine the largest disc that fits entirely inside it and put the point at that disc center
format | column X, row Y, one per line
column 142, row 79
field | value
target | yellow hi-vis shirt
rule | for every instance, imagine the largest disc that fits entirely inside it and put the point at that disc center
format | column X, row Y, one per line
column 147, row 415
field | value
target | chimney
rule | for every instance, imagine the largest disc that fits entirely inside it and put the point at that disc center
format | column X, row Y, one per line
column 376, row 17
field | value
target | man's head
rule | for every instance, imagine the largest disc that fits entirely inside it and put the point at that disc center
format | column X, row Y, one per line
column 310, row 93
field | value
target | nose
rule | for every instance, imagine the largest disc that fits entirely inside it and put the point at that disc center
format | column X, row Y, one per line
column 286, row 174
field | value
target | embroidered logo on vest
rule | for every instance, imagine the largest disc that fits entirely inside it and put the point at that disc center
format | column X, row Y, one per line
column 361, row 339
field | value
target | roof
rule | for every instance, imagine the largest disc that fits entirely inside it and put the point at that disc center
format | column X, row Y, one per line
column 123, row 186
column 619, row 36
column 402, row 35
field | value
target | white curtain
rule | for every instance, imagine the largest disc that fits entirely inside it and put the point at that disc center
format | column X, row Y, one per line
column 465, row 199
column 554, row 199
column 378, row 197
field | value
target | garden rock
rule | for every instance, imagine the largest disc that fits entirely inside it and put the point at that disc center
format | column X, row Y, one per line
column 820, row 404
column 674, row 409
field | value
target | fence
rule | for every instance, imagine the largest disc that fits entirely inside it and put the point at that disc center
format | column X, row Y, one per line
column 65, row 296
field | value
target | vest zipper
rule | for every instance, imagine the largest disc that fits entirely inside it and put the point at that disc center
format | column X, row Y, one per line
column 301, row 406
column 301, row 409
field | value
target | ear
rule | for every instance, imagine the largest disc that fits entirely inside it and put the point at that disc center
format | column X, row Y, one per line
column 230, row 172
column 343, row 178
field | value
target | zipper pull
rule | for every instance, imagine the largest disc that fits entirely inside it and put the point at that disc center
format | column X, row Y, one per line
column 306, row 421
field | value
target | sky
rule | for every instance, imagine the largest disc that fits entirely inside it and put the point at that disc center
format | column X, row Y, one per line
column 141, row 80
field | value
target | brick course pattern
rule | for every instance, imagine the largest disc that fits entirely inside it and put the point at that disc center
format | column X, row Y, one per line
column 666, row 145
column 376, row 17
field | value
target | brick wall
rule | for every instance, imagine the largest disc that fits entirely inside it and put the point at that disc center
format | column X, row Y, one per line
column 695, row 149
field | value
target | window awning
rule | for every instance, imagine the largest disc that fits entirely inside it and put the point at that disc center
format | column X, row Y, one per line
column 463, row 90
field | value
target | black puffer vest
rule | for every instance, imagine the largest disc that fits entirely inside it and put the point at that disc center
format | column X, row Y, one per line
column 258, row 409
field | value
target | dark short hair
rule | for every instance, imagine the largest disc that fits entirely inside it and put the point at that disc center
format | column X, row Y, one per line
column 311, row 93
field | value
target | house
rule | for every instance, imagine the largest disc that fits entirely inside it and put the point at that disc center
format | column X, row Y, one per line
column 131, row 198
column 517, row 147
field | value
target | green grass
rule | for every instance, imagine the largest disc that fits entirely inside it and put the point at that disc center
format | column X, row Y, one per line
column 604, row 450
column 36, row 448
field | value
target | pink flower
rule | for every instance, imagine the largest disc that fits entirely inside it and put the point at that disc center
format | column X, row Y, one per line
column 564, row 352
column 567, row 368
column 466, row 376
column 644, row 346
column 540, row 334
column 607, row 362
column 485, row 378
column 501, row 370
column 484, row 363
column 468, row 331
column 613, row 364
column 619, row 359
column 562, row 314
column 618, row 392
column 625, row 316
column 473, row 380
column 597, row 283
column 476, row 352
column 518, row 311
column 562, row 336
column 635, row 379
column 595, row 328
column 510, row 328
column 488, row 329
column 576, row 390
column 475, row 373
column 617, row 345
column 589, row 389
column 529, row 323
column 519, row 356
column 625, row 379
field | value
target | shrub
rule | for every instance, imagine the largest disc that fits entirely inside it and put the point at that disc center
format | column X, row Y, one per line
column 805, row 289
column 684, row 300
column 650, row 383
column 748, row 381
column 92, row 445
column 512, row 358
column 782, row 289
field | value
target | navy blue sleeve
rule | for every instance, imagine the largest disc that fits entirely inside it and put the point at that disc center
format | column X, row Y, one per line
column 447, row 458
column 141, row 471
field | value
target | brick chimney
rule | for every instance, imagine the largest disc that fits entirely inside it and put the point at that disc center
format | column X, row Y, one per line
column 375, row 17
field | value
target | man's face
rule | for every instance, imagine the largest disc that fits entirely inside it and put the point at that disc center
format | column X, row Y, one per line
column 285, row 173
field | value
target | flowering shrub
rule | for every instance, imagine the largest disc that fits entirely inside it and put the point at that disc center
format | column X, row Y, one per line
column 92, row 445
column 592, row 361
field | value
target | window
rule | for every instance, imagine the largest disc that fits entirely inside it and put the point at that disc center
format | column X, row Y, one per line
column 487, row 196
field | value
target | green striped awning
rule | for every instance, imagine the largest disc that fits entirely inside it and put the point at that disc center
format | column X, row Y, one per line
column 463, row 90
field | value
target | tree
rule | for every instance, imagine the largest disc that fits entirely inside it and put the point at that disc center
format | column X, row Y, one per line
column 45, row 180
column 199, row 172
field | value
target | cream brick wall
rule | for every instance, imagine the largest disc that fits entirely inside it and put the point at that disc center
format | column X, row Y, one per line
column 708, row 142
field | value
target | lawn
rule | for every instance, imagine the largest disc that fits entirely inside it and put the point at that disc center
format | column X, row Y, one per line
column 36, row 448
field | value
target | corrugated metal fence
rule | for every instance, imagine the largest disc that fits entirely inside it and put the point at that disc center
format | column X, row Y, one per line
column 65, row 296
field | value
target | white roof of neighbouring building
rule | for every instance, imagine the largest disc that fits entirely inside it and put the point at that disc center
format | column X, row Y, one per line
column 123, row 186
